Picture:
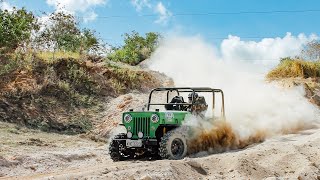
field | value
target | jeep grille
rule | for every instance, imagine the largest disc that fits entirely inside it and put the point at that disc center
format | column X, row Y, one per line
column 141, row 124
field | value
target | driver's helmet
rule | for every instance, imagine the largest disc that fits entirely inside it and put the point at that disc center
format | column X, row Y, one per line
column 194, row 94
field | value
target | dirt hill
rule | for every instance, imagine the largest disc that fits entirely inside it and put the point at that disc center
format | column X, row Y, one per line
column 67, row 95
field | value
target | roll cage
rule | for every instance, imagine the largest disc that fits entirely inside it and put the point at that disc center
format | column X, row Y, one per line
column 190, row 90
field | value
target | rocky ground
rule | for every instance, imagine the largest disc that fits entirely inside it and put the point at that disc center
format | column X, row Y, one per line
column 31, row 154
column 24, row 151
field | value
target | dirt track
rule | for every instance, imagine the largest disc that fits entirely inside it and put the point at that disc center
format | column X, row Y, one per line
column 63, row 157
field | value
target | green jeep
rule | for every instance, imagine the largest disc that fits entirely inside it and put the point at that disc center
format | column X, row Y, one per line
column 161, row 133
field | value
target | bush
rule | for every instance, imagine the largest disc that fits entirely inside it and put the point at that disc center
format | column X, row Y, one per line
column 12, row 62
column 71, row 71
column 136, row 48
column 295, row 68
column 8, row 67
column 63, row 33
column 16, row 28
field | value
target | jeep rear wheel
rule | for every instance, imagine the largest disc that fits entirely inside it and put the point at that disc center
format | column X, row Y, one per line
column 173, row 145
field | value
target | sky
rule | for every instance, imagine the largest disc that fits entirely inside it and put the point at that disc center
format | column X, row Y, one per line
column 214, row 20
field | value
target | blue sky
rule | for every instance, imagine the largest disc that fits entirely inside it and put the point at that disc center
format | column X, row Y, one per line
column 145, row 16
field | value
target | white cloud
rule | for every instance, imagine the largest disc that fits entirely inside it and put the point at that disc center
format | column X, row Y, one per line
column 84, row 7
column 267, row 51
column 159, row 9
column 140, row 4
column 90, row 16
column 6, row 6
column 164, row 13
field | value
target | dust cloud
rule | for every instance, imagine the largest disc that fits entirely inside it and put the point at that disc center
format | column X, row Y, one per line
column 255, row 109
column 219, row 138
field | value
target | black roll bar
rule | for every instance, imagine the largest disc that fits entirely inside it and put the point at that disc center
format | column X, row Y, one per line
column 188, row 89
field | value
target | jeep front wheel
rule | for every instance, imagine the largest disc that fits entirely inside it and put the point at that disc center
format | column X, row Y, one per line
column 173, row 145
column 114, row 151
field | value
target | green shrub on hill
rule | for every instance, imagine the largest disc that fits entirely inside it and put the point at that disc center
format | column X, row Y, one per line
column 63, row 33
column 16, row 28
column 136, row 48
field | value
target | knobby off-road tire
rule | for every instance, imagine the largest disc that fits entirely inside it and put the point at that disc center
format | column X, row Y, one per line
column 173, row 145
column 114, row 148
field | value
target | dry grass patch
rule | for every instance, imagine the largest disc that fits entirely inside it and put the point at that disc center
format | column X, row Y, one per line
column 50, row 56
column 292, row 68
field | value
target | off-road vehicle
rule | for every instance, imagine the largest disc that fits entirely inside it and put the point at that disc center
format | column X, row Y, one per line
column 161, row 133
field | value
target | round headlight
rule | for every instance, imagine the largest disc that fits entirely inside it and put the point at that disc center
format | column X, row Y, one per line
column 129, row 134
column 127, row 118
column 140, row 134
column 154, row 118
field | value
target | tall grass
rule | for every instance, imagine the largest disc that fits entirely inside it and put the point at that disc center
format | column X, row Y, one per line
column 295, row 68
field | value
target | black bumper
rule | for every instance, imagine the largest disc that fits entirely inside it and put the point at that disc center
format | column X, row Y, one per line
column 145, row 142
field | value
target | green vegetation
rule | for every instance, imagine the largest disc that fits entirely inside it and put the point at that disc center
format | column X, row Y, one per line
column 53, row 78
column 15, row 29
column 136, row 48
column 62, row 33
column 289, row 67
column 89, row 41
column 65, row 94
column 9, row 66
column 123, row 78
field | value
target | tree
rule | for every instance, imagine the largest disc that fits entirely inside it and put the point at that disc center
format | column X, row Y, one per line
column 136, row 48
column 312, row 50
column 60, row 33
column 63, row 33
column 16, row 28
column 89, row 42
